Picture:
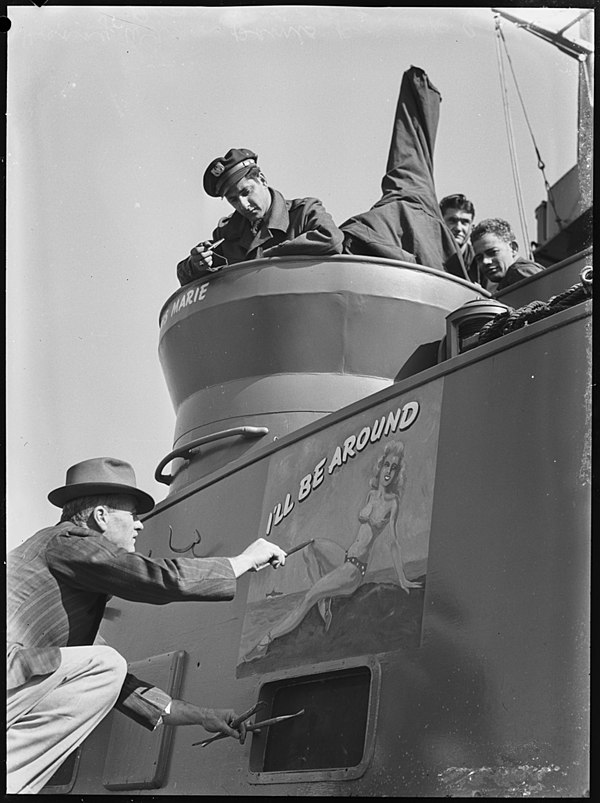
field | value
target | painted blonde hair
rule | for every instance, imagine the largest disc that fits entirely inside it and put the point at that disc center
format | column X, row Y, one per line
column 391, row 449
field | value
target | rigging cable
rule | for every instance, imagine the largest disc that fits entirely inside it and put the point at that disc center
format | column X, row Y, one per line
column 511, row 142
column 541, row 164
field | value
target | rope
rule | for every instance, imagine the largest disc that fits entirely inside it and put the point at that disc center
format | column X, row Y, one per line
column 512, row 319
column 540, row 161
column 510, row 135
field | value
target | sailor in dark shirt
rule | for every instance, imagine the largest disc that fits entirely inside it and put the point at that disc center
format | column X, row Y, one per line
column 496, row 251
column 264, row 223
column 459, row 213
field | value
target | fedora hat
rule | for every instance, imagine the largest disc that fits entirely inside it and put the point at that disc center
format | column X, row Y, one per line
column 100, row 475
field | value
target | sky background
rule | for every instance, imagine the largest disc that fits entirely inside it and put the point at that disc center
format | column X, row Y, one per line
column 114, row 113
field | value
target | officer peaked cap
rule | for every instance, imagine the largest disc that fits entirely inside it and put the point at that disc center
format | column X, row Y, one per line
column 228, row 169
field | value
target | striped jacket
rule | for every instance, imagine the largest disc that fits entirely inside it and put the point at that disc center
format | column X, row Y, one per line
column 58, row 583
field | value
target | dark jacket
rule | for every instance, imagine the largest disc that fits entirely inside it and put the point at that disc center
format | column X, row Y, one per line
column 406, row 223
column 298, row 227
column 520, row 269
column 58, row 583
column 470, row 263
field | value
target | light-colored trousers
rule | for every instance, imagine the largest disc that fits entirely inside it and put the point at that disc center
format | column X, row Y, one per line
column 50, row 716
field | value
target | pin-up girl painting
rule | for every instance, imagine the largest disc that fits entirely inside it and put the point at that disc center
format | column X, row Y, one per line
column 336, row 572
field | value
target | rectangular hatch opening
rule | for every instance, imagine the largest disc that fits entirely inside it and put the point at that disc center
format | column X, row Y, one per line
column 332, row 739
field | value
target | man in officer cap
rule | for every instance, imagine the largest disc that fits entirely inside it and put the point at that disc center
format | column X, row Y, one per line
column 60, row 684
column 264, row 223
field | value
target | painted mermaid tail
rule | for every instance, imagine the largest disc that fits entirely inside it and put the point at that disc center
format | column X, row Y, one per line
column 408, row 584
column 260, row 649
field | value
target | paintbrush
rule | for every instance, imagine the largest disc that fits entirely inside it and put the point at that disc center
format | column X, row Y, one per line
column 256, row 726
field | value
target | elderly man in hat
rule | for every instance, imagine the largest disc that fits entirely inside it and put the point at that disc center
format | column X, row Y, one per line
column 60, row 684
column 264, row 223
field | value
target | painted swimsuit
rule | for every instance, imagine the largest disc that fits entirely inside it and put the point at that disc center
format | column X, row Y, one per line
column 362, row 567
